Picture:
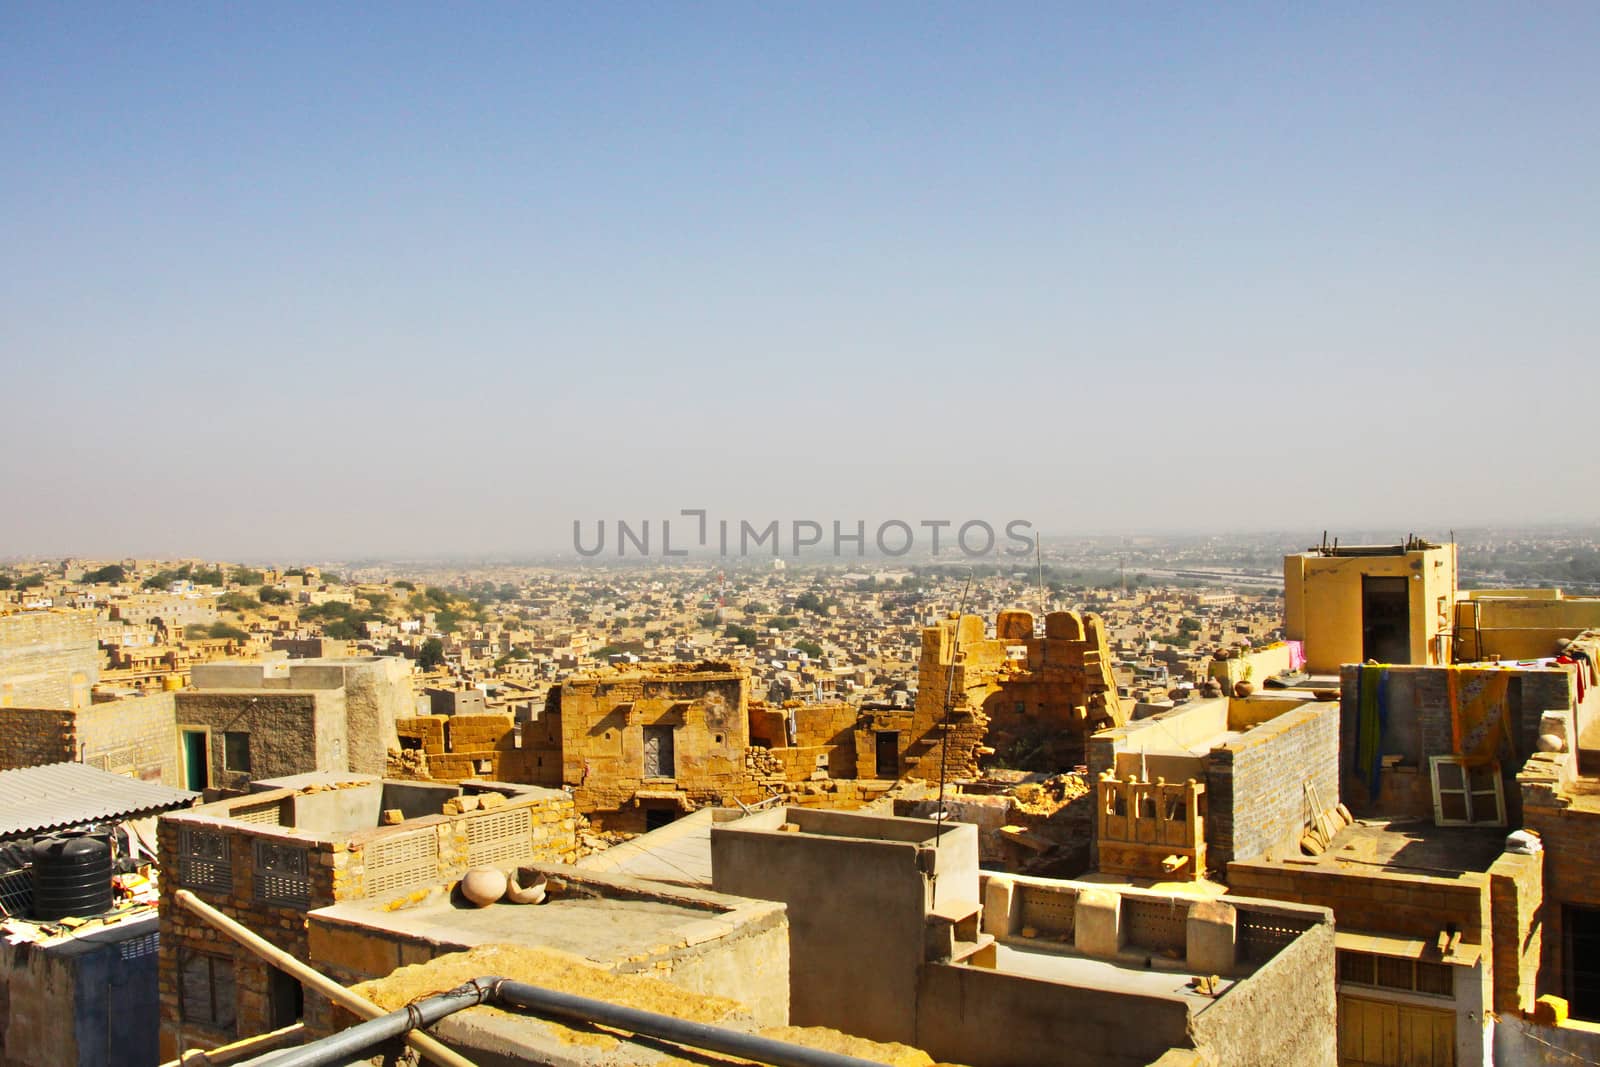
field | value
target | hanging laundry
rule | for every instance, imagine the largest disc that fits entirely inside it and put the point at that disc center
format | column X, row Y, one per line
column 1480, row 718
column 1297, row 655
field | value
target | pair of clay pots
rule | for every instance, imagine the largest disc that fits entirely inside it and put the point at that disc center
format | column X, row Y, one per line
column 482, row 886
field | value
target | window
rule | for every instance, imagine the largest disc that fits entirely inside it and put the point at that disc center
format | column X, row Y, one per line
column 1467, row 795
column 236, row 751
column 1395, row 972
column 206, row 994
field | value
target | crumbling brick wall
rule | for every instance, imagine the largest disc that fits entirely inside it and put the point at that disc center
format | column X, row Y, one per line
column 1033, row 700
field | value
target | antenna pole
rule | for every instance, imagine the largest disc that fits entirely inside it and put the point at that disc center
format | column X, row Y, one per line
column 944, row 729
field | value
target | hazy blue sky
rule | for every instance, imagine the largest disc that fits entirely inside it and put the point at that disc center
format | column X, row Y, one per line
column 283, row 279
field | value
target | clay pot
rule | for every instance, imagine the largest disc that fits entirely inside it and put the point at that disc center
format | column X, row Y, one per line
column 1552, row 743
column 532, row 893
column 1243, row 689
column 483, row 886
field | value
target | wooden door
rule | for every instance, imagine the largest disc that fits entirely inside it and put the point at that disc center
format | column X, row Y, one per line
column 1379, row 1033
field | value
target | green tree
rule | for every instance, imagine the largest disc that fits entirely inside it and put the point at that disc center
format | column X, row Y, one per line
column 238, row 602
column 431, row 655
column 810, row 648
column 271, row 594
column 110, row 574
column 246, row 576
column 744, row 635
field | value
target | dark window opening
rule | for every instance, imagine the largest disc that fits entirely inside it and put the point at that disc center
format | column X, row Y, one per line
column 236, row 751
column 206, row 992
column 285, row 999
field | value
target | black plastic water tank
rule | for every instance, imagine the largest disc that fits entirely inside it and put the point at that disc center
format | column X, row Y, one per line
column 71, row 876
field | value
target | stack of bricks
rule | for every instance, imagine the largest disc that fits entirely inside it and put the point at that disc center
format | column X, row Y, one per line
column 479, row 746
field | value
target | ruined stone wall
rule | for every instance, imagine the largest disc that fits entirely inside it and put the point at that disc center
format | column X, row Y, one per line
column 1033, row 700
column 48, row 659
column 603, row 739
column 479, row 746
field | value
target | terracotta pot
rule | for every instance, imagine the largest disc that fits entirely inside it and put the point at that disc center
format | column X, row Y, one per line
column 483, row 886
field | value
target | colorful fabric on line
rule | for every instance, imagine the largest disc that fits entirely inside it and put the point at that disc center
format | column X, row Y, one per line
column 1297, row 654
column 1372, row 713
column 1480, row 718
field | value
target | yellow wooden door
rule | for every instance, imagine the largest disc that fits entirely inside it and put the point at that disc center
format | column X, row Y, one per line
column 1377, row 1033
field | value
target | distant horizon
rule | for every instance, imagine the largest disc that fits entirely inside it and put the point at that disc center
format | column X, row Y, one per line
column 1344, row 535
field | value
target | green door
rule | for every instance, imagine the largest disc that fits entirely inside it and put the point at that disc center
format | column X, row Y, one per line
column 196, row 768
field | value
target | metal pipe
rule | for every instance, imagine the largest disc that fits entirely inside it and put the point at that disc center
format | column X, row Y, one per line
column 669, row 1028
column 345, row 1045
column 354, row 1003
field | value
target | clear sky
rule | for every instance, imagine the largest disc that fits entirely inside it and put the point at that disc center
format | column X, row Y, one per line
column 328, row 280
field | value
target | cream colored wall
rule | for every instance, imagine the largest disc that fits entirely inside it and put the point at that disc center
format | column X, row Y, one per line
column 1322, row 603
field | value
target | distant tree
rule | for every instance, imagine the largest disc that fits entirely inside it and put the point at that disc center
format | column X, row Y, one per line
column 30, row 581
column 810, row 648
column 1189, row 625
column 208, row 576
column 6, row 581
column 111, row 574
column 246, row 576
column 401, row 583
column 744, row 635
column 783, row 622
column 755, row 607
column 809, row 602
column 232, row 633
column 271, row 594
column 295, row 572
column 341, row 630
column 237, row 602
column 431, row 654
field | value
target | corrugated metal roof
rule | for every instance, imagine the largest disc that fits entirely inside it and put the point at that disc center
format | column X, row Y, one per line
column 59, row 795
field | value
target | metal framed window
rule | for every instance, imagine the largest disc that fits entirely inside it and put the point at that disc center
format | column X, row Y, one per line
column 1466, row 795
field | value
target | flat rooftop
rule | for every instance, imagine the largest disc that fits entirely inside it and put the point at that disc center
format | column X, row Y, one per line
column 1412, row 843
column 610, row 920
column 1062, row 965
